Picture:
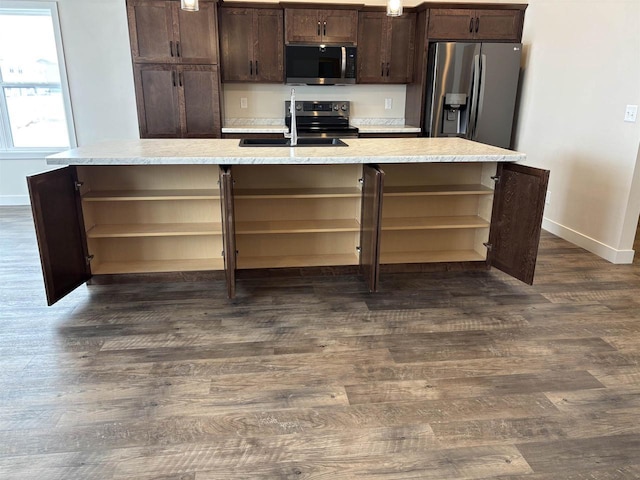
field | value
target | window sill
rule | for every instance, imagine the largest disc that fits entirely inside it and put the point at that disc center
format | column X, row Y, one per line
column 29, row 154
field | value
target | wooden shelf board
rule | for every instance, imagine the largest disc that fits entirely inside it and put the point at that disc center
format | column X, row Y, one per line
column 297, row 226
column 338, row 192
column 156, row 266
column 154, row 195
column 154, row 230
column 424, row 190
column 298, row 261
column 433, row 223
column 432, row 257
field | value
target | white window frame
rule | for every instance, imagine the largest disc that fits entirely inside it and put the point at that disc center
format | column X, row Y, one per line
column 7, row 150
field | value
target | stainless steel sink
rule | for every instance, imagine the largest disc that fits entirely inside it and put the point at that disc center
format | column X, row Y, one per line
column 286, row 142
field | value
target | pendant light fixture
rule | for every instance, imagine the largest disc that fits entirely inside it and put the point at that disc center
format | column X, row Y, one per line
column 394, row 8
column 189, row 5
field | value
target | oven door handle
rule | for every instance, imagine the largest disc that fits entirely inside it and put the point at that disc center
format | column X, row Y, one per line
column 343, row 70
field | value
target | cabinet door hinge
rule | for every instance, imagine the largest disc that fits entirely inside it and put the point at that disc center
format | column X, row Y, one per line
column 78, row 185
column 488, row 245
column 359, row 249
column 361, row 181
column 496, row 178
column 88, row 259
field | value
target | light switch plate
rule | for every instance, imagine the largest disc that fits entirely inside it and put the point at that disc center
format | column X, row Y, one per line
column 388, row 103
column 631, row 113
column 243, row 102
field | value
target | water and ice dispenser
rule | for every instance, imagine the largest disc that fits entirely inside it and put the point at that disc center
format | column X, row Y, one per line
column 455, row 117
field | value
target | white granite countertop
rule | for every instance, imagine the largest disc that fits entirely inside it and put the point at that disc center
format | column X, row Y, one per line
column 255, row 129
column 388, row 129
column 252, row 126
column 228, row 152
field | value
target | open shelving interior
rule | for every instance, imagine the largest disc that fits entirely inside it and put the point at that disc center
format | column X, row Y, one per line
column 152, row 218
column 436, row 212
column 296, row 215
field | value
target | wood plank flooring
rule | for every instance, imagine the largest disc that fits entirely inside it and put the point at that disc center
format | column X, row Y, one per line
column 443, row 375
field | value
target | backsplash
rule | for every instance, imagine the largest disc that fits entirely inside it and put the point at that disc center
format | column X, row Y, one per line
column 266, row 101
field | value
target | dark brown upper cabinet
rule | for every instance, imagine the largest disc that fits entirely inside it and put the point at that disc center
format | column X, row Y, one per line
column 385, row 47
column 314, row 26
column 178, row 100
column 160, row 32
column 475, row 24
column 251, row 43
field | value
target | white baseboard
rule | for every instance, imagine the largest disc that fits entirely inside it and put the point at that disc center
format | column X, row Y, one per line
column 6, row 200
column 594, row 246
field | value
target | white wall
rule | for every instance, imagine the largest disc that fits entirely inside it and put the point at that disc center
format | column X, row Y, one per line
column 98, row 61
column 581, row 68
column 267, row 100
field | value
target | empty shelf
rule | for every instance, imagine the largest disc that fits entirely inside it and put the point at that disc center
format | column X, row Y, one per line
column 423, row 190
column 432, row 257
column 144, row 195
column 298, row 226
column 154, row 230
column 433, row 223
column 338, row 192
column 298, row 261
column 156, row 266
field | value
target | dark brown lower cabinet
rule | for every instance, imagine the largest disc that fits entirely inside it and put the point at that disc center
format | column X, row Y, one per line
column 427, row 219
column 372, row 188
column 516, row 219
column 113, row 220
column 101, row 220
column 59, row 225
column 228, row 229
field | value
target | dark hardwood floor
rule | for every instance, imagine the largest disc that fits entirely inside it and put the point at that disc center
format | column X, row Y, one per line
column 448, row 375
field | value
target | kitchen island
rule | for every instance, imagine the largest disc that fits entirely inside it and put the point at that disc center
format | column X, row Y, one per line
column 376, row 205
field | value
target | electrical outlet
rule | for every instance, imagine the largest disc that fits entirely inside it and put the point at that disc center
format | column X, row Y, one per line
column 243, row 102
column 388, row 103
column 547, row 199
column 631, row 113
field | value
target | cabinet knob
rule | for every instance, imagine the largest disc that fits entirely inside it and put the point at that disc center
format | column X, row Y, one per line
column 324, row 29
column 318, row 27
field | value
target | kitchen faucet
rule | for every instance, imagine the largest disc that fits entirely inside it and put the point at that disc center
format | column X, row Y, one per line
column 293, row 132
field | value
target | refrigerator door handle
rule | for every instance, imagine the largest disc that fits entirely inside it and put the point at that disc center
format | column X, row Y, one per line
column 483, row 75
column 473, row 117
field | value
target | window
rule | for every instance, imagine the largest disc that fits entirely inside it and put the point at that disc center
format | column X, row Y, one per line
column 35, row 112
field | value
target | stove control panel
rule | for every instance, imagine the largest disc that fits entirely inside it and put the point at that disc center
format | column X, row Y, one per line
column 319, row 109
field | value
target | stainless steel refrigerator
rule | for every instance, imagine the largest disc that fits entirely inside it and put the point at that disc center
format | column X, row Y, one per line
column 471, row 91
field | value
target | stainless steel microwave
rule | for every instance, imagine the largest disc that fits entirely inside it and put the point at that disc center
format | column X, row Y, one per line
column 320, row 65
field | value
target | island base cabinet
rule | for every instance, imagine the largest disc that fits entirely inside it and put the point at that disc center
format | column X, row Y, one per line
column 296, row 215
column 436, row 212
column 57, row 217
column 463, row 212
column 93, row 220
column 516, row 220
column 106, row 220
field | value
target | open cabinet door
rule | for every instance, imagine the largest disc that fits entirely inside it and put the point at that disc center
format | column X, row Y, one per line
column 228, row 229
column 373, row 180
column 57, row 215
column 516, row 221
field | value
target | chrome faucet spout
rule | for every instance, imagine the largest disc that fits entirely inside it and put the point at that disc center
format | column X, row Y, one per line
column 294, row 127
